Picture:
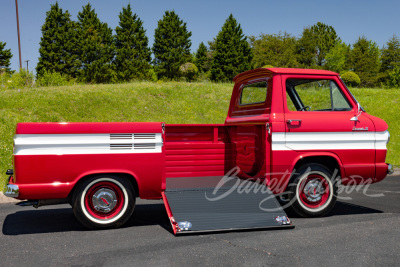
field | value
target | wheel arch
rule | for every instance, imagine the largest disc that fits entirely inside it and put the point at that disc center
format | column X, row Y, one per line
column 329, row 160
column 126, row 175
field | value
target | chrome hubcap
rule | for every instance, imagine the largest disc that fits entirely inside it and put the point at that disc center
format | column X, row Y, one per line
column 314, row 190
column 104, row 200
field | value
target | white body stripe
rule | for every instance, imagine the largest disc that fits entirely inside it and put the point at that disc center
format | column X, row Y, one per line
column 60, row 144
column 329, row 140
column 278, row 142
column 381, row 139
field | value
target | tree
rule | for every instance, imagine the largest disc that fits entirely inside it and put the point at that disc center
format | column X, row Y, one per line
column 95, row 48
column 55, row 52
column 390, row 56
column 171, row 45
column 278, row 50
column 337, row 59
column 212, row 45
column 394, row 77
column 133, row 56
column 364, row 58
column 202, row 59
column 315, row 42
column 232, row 53
column 5, row 57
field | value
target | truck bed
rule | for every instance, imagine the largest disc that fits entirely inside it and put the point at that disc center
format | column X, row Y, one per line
column 50, row 158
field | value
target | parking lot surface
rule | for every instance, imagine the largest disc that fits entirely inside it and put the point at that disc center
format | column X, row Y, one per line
column 363, row 229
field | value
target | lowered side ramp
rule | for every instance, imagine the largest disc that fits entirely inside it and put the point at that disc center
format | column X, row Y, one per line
column 203, row 204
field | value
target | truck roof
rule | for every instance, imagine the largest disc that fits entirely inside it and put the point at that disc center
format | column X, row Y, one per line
column 267, row 71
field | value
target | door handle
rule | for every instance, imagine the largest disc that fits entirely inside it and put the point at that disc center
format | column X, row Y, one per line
column 290, row 121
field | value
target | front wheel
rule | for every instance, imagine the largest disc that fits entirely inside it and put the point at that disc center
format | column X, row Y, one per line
column 313, row 191
column 103, row 201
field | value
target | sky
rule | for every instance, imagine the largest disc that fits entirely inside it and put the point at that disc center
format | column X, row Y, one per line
column 376, row 20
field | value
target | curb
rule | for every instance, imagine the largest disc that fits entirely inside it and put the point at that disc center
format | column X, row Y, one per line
column 4, row 199
column 396, row 172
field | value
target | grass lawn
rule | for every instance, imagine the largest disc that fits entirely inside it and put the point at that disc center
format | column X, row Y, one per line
column 171, row 102
column 385, row 104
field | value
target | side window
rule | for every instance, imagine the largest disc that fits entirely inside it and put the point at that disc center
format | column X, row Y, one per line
column 315, row 95
column 254, row 93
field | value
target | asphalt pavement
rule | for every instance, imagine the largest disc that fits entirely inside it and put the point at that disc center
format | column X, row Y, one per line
column 363, row 229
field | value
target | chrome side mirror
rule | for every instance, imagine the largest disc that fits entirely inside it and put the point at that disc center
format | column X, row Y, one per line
column 359, row 111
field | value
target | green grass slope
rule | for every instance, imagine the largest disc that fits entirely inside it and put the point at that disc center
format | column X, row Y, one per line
column 385, row 104
column 171, row 102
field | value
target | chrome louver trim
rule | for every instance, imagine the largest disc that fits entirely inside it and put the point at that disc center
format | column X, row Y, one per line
column 120, row 146
column 120, row 136
column 144, row 136
column 145, row 146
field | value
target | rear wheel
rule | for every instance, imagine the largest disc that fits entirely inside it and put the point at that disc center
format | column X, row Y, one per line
column 103, row 201
column 313, row 191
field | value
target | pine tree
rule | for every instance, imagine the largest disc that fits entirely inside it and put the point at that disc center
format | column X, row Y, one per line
column 390, row 59
column 95, row 48
column 171, row 45
column 133, row 56
column 232, row 53
column 315, row 42
column 202, row 58
column 365, row 61
column 5, row 57
column 55, row 53
column 391, row 54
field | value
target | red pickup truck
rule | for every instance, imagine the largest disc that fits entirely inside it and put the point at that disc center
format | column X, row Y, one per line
column 299, row 133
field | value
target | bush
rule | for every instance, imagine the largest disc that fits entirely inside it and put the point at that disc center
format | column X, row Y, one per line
column 52, row 78
column 17, row 80
column 204, row 76
column 394, row 77
column 268, row 66
column 189, row 70
column 4, row 77
column 153, row 75
column 351, row 78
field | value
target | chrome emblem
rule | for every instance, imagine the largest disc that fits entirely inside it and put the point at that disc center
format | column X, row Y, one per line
column 104, row 200
column 360, row 129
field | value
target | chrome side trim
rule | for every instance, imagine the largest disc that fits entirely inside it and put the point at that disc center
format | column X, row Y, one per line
column 11, row 190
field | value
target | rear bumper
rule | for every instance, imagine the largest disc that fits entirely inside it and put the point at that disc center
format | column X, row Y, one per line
column 11, row 190
column 390, row 169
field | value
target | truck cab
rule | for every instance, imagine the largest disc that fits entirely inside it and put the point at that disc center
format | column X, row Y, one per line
column 313, row 122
